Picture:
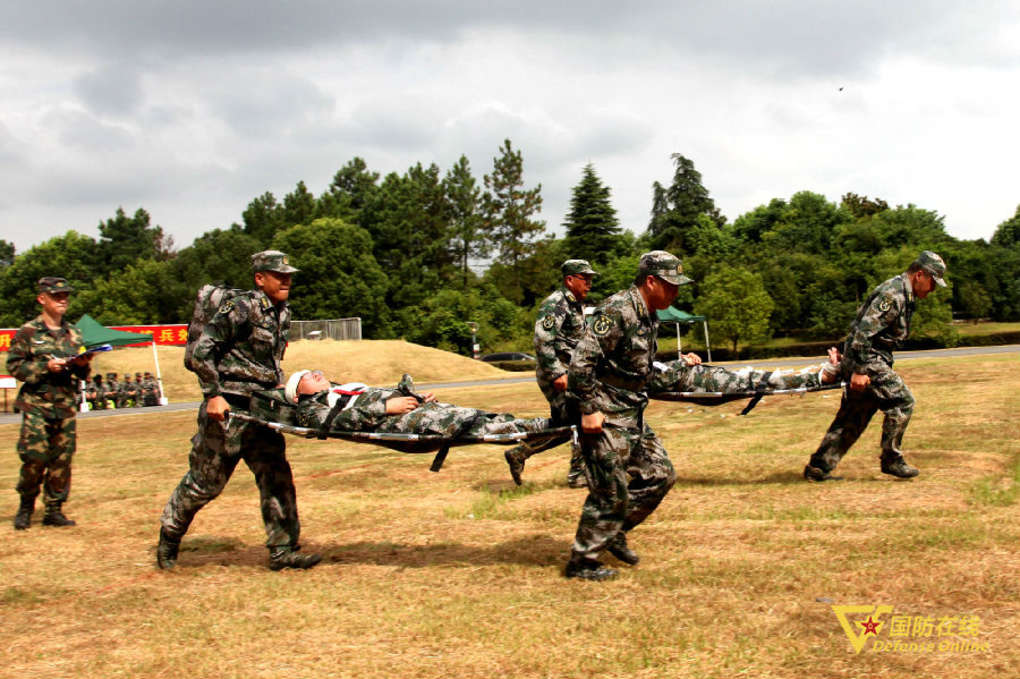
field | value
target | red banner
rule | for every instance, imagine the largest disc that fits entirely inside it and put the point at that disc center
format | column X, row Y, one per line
column 170, row 335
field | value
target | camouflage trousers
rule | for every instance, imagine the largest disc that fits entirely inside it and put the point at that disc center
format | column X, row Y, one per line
column 888, row 393
column 629, row 473
column 215, row 452
column 451, row 421
column 561, row 413
column 46, row 446
column 677, row 376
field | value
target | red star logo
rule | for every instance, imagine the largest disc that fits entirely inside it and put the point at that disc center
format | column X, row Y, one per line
column 870, row 627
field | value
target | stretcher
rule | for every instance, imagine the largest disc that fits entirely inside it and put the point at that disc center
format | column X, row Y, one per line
column 715, row 398
column 271, row 409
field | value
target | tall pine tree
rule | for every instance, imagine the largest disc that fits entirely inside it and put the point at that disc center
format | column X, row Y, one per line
column 592, row 227
column 467, row 226
column 508, row 208
column 675, row 210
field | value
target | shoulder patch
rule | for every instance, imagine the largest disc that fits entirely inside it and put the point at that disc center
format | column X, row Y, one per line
column 549, row 322
column 884, row 304
column 226, row 307
column 601, row 325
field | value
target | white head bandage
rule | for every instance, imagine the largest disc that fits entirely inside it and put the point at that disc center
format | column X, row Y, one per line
column 292, row 384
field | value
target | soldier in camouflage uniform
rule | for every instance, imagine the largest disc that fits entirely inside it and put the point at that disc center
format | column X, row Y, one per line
column 558, row 328
column 238, row 352
column 92, row 392
column 629, row 472
column 128, row 396
column 882, row 324
column 150, row 390
column 368, row 409
column 44, row 355
column 112, row 391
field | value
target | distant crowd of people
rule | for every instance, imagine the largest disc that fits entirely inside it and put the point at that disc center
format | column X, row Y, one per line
column 105, row 394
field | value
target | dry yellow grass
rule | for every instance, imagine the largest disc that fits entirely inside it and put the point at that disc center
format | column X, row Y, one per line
column 459, row 573
column 377, row 362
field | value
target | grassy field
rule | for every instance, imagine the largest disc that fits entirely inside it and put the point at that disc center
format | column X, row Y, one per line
column 458, row 574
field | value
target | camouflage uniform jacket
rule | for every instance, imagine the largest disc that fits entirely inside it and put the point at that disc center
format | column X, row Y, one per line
column 241, row 347
column 558, row 329
column 365, row 407
column 46, row 393
column 882, row 324
column 613, row 361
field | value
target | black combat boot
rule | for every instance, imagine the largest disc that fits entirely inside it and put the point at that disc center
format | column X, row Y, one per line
column 166, row 550
column 812, row 473
column 515, row 458
column 618, row 548
column 587, row 569
column 898, row 467
column 55, row 517
column 24, row 516
column 287, row 556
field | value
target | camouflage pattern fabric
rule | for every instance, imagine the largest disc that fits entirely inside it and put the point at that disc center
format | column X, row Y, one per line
column 886, row 392
column 242, row 345
column 52, row 394
column 558, row 328
column 679, row 376
column 629, row 472
column 238, row 352
column 46, row 446
column 882, row 324
column 215, row 452
column 112, row 389
column 48, row 402
column 127, row 395
column 150, row 392
column 367, row 413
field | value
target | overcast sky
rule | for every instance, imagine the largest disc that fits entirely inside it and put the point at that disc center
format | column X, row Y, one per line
column 192, row 108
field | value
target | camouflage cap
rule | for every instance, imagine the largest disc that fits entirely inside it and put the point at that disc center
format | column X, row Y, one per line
column 111, row 376
column 54, row 284
column 573, row 267
column 933, row 264
column 663, row 265
column 271, row 260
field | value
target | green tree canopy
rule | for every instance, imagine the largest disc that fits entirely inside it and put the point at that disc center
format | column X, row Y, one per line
column 353, row 187
column 593, row 231
column 509, row 208
column 339, row 276
column 72, row 256
column 675, row 210
column 468, row 237
column 736, row 305
column 124, row 240
column 1007, row 234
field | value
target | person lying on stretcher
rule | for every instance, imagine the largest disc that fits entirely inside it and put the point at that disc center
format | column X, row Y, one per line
column 356, row 407
column 688, row 375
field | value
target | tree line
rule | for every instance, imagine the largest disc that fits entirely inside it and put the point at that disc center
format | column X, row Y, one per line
column 402, row 252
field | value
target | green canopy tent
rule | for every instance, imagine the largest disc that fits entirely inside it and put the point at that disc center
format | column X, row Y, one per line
column 675, row 316
column 95, row 334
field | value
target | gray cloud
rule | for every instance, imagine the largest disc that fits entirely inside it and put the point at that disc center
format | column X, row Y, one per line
column 194, row 108
column 788, row 38
column 112, row 89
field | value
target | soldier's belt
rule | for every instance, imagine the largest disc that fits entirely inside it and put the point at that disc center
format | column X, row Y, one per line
column 633, row 385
